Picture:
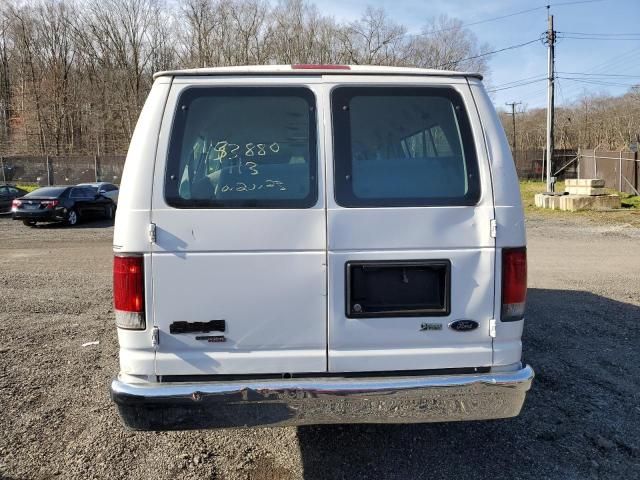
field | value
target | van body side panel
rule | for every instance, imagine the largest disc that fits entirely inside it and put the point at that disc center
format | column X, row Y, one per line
column 137, row 355
column 509, row 218
column 506, row 188
column 134, row 202
column 460, row 235
column 261, row 270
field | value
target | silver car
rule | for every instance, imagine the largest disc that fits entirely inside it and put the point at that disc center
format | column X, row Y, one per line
column 105, row 189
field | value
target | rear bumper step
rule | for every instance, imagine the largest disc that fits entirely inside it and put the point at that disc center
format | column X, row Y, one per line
column 438, row 398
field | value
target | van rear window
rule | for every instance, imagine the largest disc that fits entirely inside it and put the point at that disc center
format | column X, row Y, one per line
column 402, row 146
column 243, row 147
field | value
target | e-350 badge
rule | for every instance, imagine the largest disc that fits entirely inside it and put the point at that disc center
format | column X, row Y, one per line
column 212, row 338
column 430, row 326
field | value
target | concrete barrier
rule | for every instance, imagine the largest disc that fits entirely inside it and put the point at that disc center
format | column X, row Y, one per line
column 584, row 182
column 574, row 203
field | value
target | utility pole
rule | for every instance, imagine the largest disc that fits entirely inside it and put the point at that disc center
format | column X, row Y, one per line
column 551, row 40
column 513, row 118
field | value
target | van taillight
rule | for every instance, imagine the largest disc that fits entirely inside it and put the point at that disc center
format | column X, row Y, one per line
column 514, row 283
column 128, row 291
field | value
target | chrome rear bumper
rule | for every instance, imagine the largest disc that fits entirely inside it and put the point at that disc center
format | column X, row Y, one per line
column 252, row 403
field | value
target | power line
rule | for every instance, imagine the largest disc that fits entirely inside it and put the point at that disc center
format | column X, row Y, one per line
column 518, row 85
column 513, row 117
column 601, row 34
column 455, row 62
column 561, row 91
column 608, row 39
column 433, row 32
column 535, row 95
column 598, row 82
column 493, row 19
column 608, row 64
column 600, row 74
column 563, row 4
column 615, row 61
column 533, row 77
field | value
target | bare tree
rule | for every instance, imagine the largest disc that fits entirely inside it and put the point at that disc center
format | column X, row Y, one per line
column 374, row 40
column 593, row 120
column 5, row 81
column 198, row 34
column 445, row 44
column 74, row 73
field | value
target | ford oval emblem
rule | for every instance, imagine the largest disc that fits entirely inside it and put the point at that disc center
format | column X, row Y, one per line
column 463, row 325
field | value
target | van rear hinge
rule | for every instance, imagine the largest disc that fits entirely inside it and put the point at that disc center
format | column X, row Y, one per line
column 492, row 328
column 155, row 337
column 152, row 232
column 493, row 228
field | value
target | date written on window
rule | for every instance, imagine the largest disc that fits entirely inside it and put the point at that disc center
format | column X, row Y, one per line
column 249, row 187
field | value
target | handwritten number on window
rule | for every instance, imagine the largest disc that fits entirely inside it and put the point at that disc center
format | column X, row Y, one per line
column 252, row 166
column 233, row 149
column 221, row 148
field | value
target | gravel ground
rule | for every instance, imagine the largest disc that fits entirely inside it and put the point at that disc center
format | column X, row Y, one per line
column 581, row 420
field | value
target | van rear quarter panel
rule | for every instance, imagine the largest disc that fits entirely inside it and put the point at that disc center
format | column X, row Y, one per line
column 137, row 356
column 134, row 204
column 507, row 346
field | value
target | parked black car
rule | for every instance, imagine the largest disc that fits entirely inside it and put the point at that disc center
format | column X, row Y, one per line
column 67, row 204
column 7, row 194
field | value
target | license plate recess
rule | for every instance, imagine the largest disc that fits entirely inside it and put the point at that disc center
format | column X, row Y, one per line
column 413, row 288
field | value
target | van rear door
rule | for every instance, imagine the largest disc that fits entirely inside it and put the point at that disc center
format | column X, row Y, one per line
column 411, row 255
column 239, row 260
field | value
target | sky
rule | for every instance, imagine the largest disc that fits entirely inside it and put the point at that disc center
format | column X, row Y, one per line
column 607, row 54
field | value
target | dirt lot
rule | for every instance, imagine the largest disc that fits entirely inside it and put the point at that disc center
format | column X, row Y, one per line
column 581, row 420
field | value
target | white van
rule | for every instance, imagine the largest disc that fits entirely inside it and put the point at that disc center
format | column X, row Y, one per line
column 315, row 244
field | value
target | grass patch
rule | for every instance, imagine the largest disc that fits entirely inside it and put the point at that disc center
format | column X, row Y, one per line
column 630, row 201
column 628, row 214
column 528, row 190
column 29, row 187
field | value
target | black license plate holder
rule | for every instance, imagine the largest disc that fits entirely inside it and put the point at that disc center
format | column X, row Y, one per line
column 411, row 288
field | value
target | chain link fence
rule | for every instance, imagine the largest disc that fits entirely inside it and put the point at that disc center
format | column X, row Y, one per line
column 620, row 169
column 63, row 170
column 531, row 164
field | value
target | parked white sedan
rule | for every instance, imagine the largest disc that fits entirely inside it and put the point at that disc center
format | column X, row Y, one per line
column 108, row 190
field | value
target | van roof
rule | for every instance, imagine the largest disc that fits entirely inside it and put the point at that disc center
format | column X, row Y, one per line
column 307, row 69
